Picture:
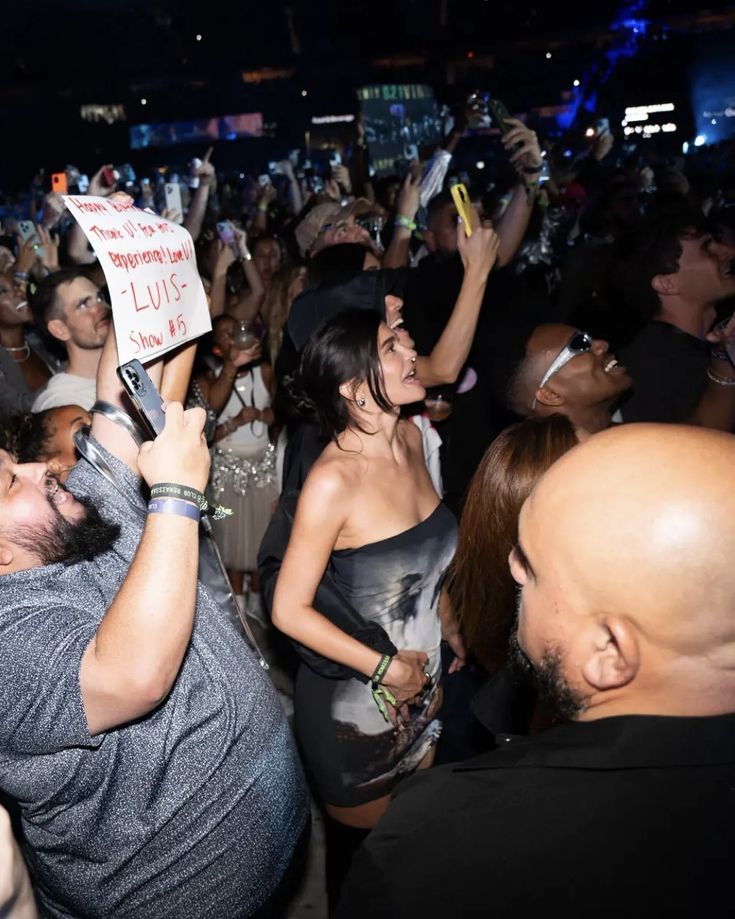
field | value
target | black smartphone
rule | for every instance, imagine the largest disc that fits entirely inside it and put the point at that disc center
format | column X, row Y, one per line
column 499, row 114
column 139, row 386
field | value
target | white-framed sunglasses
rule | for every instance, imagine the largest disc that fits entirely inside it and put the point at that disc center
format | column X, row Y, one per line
column 577, row 344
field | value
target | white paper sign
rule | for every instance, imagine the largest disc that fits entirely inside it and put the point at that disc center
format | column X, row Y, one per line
column 157, row 297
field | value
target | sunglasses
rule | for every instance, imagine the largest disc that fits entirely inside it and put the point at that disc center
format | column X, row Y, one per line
column 577, row 344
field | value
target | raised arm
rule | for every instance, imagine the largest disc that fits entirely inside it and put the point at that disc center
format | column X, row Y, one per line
column 131, row 663
column 512, row 225
column 249, row 305
column 397, row 253
column 198, row 206
column 445, row 362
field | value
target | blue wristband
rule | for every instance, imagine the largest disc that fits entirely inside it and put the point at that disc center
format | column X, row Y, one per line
column 174, row 506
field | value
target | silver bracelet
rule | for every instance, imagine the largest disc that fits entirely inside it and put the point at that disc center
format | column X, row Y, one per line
column 119, row 417
column 721, row 381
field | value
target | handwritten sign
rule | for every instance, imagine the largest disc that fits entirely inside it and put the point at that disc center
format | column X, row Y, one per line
column 157, row 297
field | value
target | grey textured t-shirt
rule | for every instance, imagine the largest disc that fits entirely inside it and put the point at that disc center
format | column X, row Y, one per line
column 192, row 811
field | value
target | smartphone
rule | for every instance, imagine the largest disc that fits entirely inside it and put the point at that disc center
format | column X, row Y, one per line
column 500, row 114
column 59, row 182
column 461, row 198
column 83, row 184
column 126, row 173
column 602, row 126
column 28, row 233
column 173, row 200
column 139, row 386
column 410, row 152
column 273, row 167
column 226, row 232
column 110, row 176
column 335, row 159
column 264, row 180
column 294, row 157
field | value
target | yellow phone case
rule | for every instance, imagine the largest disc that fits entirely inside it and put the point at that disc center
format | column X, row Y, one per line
column 464, row 206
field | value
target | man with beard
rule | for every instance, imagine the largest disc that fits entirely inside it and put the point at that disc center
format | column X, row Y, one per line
column 626, row 617
column 144, row 744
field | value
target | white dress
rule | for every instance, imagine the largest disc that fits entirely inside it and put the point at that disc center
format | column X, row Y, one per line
column 244, row 476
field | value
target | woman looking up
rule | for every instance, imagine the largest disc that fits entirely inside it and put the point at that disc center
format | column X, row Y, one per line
column 369, row 511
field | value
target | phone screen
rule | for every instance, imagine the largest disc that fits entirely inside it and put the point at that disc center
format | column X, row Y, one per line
column 226, row 232
column 59, row 183
column 173, row 200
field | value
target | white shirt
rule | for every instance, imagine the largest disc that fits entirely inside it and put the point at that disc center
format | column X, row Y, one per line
column 66, row 389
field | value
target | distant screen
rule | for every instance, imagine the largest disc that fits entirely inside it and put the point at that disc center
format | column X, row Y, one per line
column 222, row 127
column 396, row 117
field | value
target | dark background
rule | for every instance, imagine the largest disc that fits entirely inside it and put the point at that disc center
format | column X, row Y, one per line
column 58, row 56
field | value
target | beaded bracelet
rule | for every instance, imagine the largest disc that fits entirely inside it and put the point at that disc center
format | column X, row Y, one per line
column 174, row 506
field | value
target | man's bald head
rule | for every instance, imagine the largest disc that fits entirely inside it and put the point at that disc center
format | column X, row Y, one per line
column 629, row 580
column 584, row 388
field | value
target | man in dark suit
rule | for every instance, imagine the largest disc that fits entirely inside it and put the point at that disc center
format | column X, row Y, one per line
column 626, row 617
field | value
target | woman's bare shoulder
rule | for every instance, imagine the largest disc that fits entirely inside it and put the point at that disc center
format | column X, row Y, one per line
column 335, row 474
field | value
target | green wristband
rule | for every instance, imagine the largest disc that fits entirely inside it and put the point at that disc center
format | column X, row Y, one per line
column 383, row 664
column 405, row 222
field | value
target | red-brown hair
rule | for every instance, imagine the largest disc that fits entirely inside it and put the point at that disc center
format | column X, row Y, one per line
column 479, row 582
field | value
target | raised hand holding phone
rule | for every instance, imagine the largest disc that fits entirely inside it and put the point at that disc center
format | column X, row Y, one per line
column 462, row 202
column 179, row 453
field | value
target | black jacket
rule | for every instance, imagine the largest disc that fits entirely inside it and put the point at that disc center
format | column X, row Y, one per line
column 627, row 816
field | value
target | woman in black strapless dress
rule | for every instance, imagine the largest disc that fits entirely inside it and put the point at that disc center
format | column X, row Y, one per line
column 368, row 514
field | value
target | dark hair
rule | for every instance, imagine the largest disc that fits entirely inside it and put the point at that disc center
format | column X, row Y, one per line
column 479, row 582
column 336, row 264
column 655, row 248
column 44, row 301
column 34, row 436
column 343, row 348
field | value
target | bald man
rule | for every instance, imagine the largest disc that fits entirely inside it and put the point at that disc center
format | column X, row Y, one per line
column 566, row 371
column 627, row 619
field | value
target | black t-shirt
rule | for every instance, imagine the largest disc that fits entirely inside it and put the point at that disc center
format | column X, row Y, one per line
column 669, row 371
column 511, row 308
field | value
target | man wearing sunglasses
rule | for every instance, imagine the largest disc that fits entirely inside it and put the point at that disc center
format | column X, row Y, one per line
column 565, row 371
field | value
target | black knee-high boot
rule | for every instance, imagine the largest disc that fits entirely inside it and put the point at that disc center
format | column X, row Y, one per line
column 342, row 842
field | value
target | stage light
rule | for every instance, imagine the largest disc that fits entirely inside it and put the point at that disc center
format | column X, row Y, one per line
column 480, row 164
column 548, row 55
column 304, row 92
column 198, row 37
column 590, row 132
column 576, row 82
column 685, row 147
column 143, row 101
column 714, row 121
column 700, row 140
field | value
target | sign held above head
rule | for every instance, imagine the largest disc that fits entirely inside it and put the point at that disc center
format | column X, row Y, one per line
column 158, row 301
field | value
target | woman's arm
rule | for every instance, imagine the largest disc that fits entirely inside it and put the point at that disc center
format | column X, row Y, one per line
column 248, row 306
column 445, row 362
column 322, row 512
